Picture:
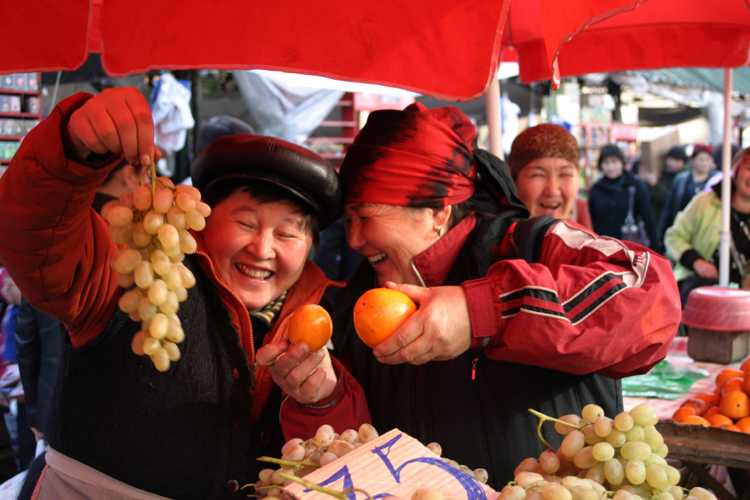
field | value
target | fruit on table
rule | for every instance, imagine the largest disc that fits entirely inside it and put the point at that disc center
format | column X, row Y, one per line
column 312, row 325
column 379, row 312
column 623, row 459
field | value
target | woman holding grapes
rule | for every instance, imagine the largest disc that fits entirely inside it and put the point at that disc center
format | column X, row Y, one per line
column 118, row 427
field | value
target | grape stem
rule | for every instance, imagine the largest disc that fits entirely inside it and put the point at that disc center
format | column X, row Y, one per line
column 543, row 418
column 312, row 486
column 295, row 464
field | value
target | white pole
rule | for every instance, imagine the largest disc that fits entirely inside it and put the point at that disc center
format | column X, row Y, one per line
column 494, row 118
column 725, row 234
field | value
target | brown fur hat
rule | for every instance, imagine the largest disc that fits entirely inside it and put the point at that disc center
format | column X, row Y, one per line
column 542, row 141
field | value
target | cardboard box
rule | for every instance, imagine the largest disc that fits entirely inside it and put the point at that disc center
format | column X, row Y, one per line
column 653, row 152
column 393, row 464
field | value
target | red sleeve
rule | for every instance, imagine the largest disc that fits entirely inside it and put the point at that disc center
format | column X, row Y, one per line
column 345, row 409
column 61, row 264
column 592, row 304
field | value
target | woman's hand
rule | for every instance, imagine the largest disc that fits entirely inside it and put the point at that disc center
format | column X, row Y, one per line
column 705, row 269
column 306, row 376
column 116, row 120
column 439, row 330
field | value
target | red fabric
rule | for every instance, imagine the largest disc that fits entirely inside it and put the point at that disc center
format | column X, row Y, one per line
column 435, row 263
column 447, row 49
column 415, row 157
column 595, row 304
column 656, row 34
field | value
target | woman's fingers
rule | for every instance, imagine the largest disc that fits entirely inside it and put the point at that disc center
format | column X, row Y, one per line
column 116, row 120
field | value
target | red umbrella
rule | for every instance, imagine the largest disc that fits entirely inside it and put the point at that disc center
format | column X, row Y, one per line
column 655, row 34
column 444, row 48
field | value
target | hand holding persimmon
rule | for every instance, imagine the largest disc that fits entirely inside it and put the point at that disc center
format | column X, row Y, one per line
column 312, row 325
column 379, row 312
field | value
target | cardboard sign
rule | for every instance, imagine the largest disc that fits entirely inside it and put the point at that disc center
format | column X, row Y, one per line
column 395, row 464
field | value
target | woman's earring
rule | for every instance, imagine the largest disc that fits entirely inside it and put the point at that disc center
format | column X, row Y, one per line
column 439, row 230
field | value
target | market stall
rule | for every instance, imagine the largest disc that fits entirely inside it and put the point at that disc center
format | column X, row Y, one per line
column 696, row 445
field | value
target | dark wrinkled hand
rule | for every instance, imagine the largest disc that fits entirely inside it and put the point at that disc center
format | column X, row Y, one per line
column 439, row 330
column 306, row 376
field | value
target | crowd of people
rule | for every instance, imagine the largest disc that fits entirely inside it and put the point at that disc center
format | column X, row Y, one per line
column 529, row 293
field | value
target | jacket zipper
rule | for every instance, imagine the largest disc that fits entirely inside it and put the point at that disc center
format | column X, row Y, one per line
column 245, row 322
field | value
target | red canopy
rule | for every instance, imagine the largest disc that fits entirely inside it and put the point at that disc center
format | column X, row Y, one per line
column 444, row 48
column 656, row 34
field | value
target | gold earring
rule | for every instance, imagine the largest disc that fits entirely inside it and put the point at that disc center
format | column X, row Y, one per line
column 439, row 230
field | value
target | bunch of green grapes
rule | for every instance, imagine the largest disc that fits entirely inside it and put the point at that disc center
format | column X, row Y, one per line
column 622, row 458
column 300, row 457
column 153, row 221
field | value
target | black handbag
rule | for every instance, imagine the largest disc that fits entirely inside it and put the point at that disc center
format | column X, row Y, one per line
column 632, row 230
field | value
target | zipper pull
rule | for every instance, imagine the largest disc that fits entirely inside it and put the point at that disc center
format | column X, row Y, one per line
column 474, row 368
column 253, row 369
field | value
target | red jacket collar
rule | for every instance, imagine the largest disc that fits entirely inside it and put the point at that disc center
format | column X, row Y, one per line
column 435, row 263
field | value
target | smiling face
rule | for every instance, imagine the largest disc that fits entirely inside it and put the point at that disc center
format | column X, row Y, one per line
column 390, row 237
column 258, row 248
column 548, row 186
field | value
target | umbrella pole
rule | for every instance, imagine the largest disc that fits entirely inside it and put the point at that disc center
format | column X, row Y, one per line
column 726, row 186
column 494, row 118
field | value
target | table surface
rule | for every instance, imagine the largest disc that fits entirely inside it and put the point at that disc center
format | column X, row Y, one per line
column 678, row 357
column 694, row 443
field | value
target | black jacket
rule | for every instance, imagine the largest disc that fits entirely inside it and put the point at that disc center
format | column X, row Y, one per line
column 608, row 203
column 202, row 403
column 39, row 340
column 480, row 420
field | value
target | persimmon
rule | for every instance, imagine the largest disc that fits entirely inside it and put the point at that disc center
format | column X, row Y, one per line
column 725, row 375
column 718, row 420
column 735, row 405
column 733, row 384
column 312, row 325
column 699, row 405
column 696, row 420
column 379, row 312
column 745, row 366
column 709, row 399
column 730, row 427
column 682, row 412
column 743, row 425
column 746, row 383
column 714, row 410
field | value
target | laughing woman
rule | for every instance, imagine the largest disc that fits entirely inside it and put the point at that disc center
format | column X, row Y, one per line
column 513, row 313
column 119, row 429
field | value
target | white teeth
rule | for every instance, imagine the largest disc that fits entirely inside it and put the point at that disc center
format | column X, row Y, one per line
column 261, row 275
column 374, row 259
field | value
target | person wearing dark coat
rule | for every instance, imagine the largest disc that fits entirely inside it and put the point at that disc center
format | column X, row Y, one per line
column 514, row 312
column 39, row 340
column 609, row 197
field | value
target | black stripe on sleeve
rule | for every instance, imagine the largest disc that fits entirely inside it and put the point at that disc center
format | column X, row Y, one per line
column 587, row 292
column 534, row 293
column 598, row 303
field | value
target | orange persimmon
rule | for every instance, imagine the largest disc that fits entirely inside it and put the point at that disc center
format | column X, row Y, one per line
column 379, row 312
column 695, row 419
column 312, row 325
column 726, row 374
column 735, row 405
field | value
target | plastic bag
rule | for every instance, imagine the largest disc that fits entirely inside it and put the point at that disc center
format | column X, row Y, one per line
column 664, row 381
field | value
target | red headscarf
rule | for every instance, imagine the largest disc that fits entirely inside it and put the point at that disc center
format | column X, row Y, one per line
column 415, row 157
